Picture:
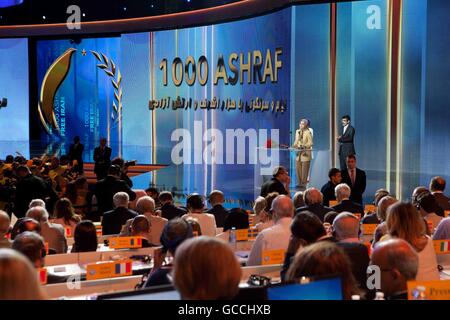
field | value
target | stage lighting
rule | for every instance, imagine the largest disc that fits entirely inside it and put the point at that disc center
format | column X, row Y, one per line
column 3, row 103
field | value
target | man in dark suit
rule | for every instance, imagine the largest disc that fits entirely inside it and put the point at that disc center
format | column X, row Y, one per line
column 346, row 145
column 102, row 159
column 437, row 187
column 31, row 187
column 169, row 211
column 328, row 189
column 114, row 220
column 345, row 204
column 76, row 155
column 355, row 178
column 106, row 189
column 216, row 199
column 279, row 182
column 313, row 201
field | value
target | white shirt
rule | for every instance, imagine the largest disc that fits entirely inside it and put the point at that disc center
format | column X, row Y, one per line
column 428, row 270
column 345, row 128
column 273, row 238
column 206, row 221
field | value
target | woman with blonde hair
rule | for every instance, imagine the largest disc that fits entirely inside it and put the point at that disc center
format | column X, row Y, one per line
column 65, row 215
column 324, row 259
column 405, row 222
column 206, row 268
column 18, row 278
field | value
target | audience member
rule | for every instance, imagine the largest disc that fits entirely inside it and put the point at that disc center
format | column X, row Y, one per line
column 382, row 208
column 154, row 193
column 114, row 220
column 258, row 209
column 146, row 206
column 324, row 259
column 279, row 183
column 237, row 218
column 65, row 214
column 355, row 178
column 328, row 189
column 313, row 200
column 372, row 217
column 404, row 222
column 18, row 279
column 85, row 237
column 5, row 229
column 298, row 200
column 329, row 217
column 398, row 262
column 169, row 211
column 344, row 203
column 36, row 203
column 276, row 237
column 443, row 230
column 25, row 224
column 196, row 228
column 195, row 206
column 217, row 199
column 427, row 206
column 206, row 269
column 265, row 217
column 51, row 232
column 437, row 187
column 118, row 161
column 140, row 227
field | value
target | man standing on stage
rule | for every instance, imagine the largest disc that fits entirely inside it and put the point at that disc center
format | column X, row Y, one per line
column 76, row 155
column 102, row 158
column 304, row 142
column 346, row 146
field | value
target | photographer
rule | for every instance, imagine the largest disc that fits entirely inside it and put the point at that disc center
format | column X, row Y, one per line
column 124, row 169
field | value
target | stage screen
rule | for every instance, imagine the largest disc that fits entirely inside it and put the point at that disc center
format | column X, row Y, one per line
column 218, row 104
column 14, row 120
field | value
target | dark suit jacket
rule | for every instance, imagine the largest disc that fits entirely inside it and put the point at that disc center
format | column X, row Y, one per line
column 359, row 187
column 102, row 160
column 349, row 206
column 114, row 220
column 318, row 209
column 359, row 259
column 346, row 145
column 106, row 189
column 220, row 213
column 328, row 193
column 273, row 185
column 170, row 211
column 442, row 201
column 29, row 188
column 76, row 153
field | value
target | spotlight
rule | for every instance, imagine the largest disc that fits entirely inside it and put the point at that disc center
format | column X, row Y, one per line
column 3, row 103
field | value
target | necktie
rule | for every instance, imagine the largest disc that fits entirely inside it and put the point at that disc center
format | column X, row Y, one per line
column 352, row 176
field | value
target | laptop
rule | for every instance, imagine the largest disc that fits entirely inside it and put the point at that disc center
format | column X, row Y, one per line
column 318, row 289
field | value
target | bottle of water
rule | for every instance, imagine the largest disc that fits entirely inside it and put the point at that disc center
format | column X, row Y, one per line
column 233, row 238
column 379, row 296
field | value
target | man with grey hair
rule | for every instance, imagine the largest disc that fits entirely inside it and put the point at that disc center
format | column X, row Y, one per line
column 146, row 206
column 36, row 203
column 276, row 237
column 398, row 263
column 313, row 200
column 346, row 227
column 114, row 220
column 51, row 232
column 5, row 228
column 343, row 192
column 298, row 200
column 216, row 199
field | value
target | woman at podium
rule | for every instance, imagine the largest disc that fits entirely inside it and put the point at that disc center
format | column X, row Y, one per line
column 303, row 143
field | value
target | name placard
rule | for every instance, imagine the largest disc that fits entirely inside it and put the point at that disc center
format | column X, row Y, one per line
column 42, row 275
column 446, row 213
column 441, row 246
column 434, row 290
column 252, row 233
column 125, row 243
column 333, row 203
column 270, row 257
column 109, row 269
column 368, row 229
column 242, row 235
column 68, row 232
column 370, row 208
column 98, row 228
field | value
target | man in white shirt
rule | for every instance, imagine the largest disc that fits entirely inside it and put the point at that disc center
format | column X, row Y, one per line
column 276, row 237
column 207, row 222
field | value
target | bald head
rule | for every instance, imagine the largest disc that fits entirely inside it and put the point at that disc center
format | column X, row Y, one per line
column 5, row 223
column 346, row 226
column 398, row 262
column 313, row 196
column 282, row 207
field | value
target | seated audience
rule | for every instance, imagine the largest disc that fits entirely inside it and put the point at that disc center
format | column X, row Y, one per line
column 344, row 203
column 313, row 200
column 265, row 217
column 174, row 234
column 404, row 222
column 427, row 206
column 85, row 237
column 237, row 218
column 196, row 229
column 36, row 203
column 195, row 206
column 5, row 229
column 324, row 259
column 276, row 237
column 258, row 209
column 217, row 199
column 32, row 246
column 18, row 278
column 398, row 262
column 65, row 214
column 298, row 200
column 329, row 217
column 437, row 187
column 205, row 268
column 146, row 206
column 140, row 227
column 279, row 183
column 25, row 224
column 154, row 194
column 169, row 211
column 346, row 232
column 328, row 189
column 371, row 217
column 79, row 195
column 383, row 206
column 114, row 220
column 443, row 230
column 51, row 232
